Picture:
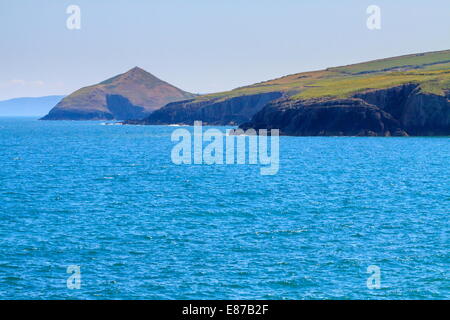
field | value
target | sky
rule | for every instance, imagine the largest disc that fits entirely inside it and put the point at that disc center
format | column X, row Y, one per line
column 203, row 46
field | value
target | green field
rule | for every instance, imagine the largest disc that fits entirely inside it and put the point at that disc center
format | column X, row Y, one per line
column 429, row 70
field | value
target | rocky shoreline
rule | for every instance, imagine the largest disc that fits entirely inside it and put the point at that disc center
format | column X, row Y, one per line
column 231, row 111
column 397, row 111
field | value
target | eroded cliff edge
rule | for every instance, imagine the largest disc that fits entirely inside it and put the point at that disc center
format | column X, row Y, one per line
column 215, row 111
column 397, row 111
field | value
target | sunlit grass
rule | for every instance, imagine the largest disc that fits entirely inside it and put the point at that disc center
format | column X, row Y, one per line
column 430, row 70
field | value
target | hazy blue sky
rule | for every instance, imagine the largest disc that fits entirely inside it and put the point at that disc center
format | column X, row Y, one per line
column 203, row 45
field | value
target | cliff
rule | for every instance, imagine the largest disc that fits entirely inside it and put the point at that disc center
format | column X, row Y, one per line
column 407, row 95
column 398, row 111
column 131, row 95
column 216, row 111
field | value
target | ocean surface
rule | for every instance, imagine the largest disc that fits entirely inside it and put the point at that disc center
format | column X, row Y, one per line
column 109, row 200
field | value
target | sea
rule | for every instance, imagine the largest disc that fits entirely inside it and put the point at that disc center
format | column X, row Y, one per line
column 93, row 211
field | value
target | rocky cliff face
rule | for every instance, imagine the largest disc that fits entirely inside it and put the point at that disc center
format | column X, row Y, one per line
column 229, row 111
column 341, row 117
column 397, row 111
column 419, row 113
column 131, row 95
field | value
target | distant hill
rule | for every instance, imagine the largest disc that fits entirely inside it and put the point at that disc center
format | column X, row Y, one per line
column 36, row 107
column 131, row 95
column 406, row 95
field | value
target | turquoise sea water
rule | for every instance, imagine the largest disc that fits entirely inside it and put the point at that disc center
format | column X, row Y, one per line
column 109, row 199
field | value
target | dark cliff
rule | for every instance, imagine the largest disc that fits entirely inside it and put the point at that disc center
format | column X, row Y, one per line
column 216, row 111
column 397, row 111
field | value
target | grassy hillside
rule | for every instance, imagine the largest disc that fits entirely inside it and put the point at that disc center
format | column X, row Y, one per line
column 430, row 70
column 139, row 86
